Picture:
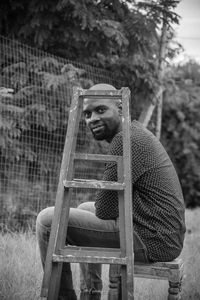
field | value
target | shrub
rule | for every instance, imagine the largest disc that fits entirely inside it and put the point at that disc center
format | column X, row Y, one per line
column 181, row 138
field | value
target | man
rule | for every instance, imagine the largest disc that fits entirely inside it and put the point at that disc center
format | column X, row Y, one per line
column 158, row 208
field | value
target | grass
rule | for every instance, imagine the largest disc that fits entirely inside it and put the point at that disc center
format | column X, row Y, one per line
column 21, row 272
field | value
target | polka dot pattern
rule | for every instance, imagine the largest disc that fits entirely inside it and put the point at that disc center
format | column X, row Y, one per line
column 158, row 205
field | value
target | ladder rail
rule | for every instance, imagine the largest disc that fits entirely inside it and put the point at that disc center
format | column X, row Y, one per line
column 61, row 207
column 128, row 194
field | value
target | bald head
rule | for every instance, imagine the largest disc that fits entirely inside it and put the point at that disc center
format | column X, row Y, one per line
column 102, row 86
column 106, row 87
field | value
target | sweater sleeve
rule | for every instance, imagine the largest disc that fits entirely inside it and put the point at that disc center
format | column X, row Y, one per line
column 106, row 202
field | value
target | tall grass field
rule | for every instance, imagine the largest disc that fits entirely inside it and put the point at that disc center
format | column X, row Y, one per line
column 21, row 271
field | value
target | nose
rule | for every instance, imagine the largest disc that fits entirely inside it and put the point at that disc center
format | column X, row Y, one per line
column 93, row 118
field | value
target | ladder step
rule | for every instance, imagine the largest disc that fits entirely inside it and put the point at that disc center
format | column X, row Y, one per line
column 89, row 259
column 97, row 157
column 110, row 252
column 94, row 184
column 76, row 254
column 114, row 94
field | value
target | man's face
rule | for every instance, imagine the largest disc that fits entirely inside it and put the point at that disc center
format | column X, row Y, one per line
column 103, row 117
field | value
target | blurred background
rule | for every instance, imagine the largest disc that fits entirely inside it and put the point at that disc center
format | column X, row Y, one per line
column 46, row 48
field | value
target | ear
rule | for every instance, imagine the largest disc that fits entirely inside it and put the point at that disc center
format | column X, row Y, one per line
column 120, row 108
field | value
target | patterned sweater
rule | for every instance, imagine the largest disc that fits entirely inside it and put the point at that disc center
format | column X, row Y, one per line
column 158, row 205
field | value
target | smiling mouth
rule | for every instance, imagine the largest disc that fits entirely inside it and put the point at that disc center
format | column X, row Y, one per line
column 97, row 128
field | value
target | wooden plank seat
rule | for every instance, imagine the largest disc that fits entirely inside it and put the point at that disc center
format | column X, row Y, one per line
column 171, row 271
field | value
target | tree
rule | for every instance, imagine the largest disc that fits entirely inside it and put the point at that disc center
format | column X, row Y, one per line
column 181, row 127
column 120, row 36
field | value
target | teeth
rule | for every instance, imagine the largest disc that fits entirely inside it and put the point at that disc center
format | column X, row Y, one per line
column 96, row 128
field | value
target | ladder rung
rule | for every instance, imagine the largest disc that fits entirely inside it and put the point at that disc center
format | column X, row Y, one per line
column 94, row 184
column 102, row 93
column 110, row 252
column 89, row 259
column 90, row 255
column 98, row 157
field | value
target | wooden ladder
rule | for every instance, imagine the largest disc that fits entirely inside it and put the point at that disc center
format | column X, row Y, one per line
column 59, row 253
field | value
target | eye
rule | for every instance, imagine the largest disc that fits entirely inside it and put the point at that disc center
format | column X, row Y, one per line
column 87, row 114
column 101, row 110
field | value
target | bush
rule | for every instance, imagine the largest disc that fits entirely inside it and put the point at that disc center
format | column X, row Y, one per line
column 181, row 138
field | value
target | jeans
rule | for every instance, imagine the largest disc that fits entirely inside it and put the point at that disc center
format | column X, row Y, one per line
column 85, row 229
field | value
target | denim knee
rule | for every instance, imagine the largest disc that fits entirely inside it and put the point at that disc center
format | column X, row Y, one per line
column 45, row 217
column 89, row 206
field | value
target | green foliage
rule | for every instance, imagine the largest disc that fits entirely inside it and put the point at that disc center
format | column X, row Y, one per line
column 181, row 131
column 35, row 96
column 120, row 36
column 190, row 71
column 34, row 103
column 41, row 99
column 116, row 35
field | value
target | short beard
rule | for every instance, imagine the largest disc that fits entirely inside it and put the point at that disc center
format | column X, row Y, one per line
column 98, row 138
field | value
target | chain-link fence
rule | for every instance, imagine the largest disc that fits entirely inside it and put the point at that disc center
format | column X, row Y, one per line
column 35, row 95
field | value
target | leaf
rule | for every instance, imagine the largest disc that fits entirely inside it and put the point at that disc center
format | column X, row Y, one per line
column 70, row 68
column 113, row 29
column 51, row 81
column 11, row 108
column 6, row 92
column 6, row 124
column 16, row 67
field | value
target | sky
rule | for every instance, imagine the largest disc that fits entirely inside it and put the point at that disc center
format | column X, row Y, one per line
column 188, row 31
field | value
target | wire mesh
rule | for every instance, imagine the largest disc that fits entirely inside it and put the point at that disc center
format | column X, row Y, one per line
column 35, row 95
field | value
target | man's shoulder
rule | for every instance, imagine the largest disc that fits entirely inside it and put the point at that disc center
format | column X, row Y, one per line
column 136, row 126
column 135, row 133
column 141, row 134
column 137, row 130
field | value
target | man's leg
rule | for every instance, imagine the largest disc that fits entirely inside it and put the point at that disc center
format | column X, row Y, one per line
column 90, row 274
column 43, row 227
column 90, row 231
column 84, row 229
